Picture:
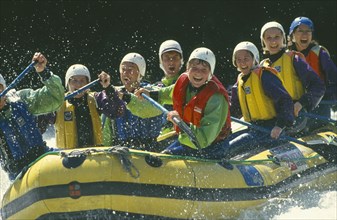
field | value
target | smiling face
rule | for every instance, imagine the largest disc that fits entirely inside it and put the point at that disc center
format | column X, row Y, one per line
column 129, row 75
column 77, row 82
column 302, row 37
column 198, row 72
column 273, row 39
column 171, row 62
column 244, row 61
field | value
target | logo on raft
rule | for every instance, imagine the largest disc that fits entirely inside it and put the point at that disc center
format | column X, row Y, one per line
column 74, row 190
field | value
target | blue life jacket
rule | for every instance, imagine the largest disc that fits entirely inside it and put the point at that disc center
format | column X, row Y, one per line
column 20, row 131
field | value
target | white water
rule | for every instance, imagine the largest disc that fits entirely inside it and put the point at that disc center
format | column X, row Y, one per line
column 308, row 204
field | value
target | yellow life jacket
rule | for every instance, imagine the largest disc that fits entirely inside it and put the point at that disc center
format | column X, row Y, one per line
column 254, row 103
column 65, row 125
column 291, row 81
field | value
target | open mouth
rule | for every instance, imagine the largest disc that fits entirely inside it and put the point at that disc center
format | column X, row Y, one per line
column 172, row 69
column 126, row 80
column 304, row 41
column 197, row 79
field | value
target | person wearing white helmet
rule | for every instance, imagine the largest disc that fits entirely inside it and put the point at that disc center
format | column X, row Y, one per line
column 77, row 122
column 201, row 100
column 300, row 80
column 301, row 39
column 132, row 69
column 258, row 96
column 128, row 129
column 170, row 61
column 23, row 105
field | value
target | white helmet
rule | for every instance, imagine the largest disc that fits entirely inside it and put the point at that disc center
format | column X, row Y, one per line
column 137, row 59
column 2, row 81
column 268, row 25
column 205, row 54
column 77, row 70
column 170, row 45
column 246, row 45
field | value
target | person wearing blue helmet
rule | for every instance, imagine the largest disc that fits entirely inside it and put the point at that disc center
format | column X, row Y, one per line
column 299, row 79
column 301, row 39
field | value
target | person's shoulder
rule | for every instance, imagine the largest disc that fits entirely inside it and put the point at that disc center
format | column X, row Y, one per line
column 322, row 50
column 295, row 54
column 217, row 97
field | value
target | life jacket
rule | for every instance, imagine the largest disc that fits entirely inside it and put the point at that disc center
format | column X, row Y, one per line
column 66, row 129
column 255, row 105
column 285, row 68
column 193, row 111
column 20, row 131
column 313, row 60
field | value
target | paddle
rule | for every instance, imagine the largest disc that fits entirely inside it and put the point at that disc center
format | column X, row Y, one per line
column 318, row 117
column 20, row 77
column 264, row 130
column 325, row 148
column 82, row 89
column 176, row 120
column 328, row 102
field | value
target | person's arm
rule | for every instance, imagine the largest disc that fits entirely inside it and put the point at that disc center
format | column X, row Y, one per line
column 144, row 109
column 47, row 99
column 214, row 118
column 109, row 103
column 313, row 85
column 235, row 108
column 330, row 71
column 165, row 95
column 284, row 106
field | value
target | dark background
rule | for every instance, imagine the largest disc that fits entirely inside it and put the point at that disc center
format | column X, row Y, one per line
column 99, row 33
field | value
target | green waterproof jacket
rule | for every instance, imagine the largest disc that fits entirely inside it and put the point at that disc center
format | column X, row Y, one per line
column 213, row 120
column 47, row 99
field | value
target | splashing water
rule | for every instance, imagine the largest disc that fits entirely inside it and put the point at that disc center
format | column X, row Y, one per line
column 308, row 204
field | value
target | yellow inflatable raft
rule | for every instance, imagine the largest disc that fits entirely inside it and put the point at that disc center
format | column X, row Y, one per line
column 115, row 182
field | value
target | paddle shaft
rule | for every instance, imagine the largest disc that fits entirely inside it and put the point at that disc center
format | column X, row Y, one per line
column 82, row 89
column 17, row 80
column 176, row 120
column 328, row 102
column 264, row 130
column 318, row 117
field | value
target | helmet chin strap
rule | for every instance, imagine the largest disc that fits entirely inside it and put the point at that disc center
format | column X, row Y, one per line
column 210, row 75
column 139, row 77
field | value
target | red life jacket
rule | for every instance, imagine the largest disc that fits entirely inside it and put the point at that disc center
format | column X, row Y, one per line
column 313, row 60
column 193, row 111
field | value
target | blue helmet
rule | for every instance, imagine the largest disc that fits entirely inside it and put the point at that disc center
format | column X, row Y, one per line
column 301, row 20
